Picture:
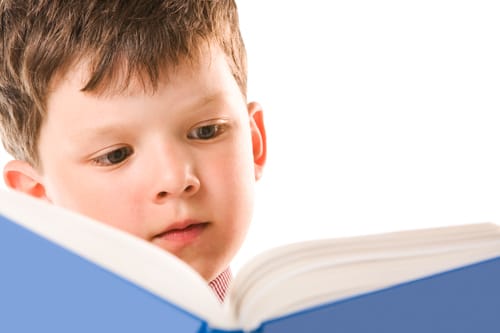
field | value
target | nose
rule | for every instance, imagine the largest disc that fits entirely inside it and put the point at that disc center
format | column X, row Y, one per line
column 175, row 177
column 190, row 187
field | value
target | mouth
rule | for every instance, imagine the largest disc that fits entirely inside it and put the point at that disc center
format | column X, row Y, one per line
column 184, row 232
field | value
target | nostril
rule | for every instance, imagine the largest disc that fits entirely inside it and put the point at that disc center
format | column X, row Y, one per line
column 162, row 194
column 188, row 188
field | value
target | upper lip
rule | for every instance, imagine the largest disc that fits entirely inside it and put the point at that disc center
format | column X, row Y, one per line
column 179, row 225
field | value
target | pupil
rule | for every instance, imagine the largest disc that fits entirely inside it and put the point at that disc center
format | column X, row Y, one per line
column 207, row 131
column 116, row 156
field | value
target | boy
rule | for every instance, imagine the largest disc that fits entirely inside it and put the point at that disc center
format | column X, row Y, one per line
column 134, row 113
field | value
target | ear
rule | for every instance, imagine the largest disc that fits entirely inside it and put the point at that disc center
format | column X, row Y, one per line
column 258, row 137
column 21, row 176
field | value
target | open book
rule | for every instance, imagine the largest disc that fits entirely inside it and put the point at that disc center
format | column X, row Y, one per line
column 62, row 272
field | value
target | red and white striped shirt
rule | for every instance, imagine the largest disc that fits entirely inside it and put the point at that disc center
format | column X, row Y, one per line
column 221, row 283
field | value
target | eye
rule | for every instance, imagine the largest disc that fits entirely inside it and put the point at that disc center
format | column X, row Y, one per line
column 206, row 132
column 114, row 157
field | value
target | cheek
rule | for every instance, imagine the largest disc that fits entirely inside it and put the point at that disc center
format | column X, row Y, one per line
column 119, row 205
column 234, row 169
column 231, row 180
column 113, row 203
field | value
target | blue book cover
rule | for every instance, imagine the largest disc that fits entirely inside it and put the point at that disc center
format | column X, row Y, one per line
column 60, row 272
column 462, row 300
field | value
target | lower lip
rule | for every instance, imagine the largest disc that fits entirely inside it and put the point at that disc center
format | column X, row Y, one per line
column 186, row 235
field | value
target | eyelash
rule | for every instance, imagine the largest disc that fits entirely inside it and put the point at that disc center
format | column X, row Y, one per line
column 120, row 154
column 218, row 129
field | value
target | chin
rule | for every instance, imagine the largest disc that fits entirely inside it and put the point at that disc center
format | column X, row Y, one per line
column 209, row 270
column 208, row 274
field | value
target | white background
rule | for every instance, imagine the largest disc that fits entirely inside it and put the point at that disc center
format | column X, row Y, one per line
column 381, row 115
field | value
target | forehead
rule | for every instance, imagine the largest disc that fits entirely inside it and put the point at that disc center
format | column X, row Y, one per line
column 124, row 77
column 177, row 86
column 188, row 93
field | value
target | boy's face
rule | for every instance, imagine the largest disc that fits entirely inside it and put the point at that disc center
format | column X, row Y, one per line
column 176, row 168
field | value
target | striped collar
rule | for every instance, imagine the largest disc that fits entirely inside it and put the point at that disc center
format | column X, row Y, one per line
column 221, row 284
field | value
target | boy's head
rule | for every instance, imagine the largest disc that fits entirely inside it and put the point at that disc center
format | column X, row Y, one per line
column 134, row 113
column 118, row 40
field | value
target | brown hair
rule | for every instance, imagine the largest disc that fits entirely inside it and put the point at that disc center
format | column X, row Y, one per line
column 125, row 39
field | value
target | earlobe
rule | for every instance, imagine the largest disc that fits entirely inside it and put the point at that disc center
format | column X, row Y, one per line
column 258, row 137
column 21, row 176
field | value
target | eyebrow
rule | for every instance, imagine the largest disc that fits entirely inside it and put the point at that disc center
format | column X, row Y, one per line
column 113, row 128
column 206, row 99
column 98, row 132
